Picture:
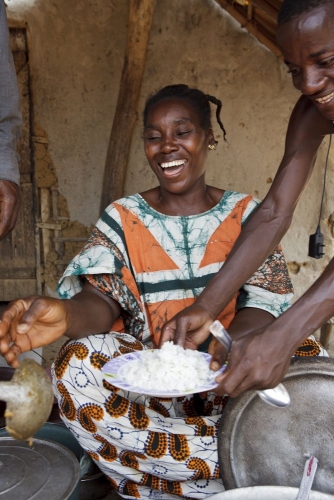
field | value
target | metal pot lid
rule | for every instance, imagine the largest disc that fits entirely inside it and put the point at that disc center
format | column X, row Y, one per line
column 44, row 470
column 266, row 492
column 262, row 445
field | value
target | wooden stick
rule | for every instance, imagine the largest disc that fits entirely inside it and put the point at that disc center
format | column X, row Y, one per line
column 271, row 12
column 140, row 21
column 45, row 217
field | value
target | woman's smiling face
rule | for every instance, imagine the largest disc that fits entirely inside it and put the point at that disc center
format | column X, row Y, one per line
column 307, row 44
column 176, row 145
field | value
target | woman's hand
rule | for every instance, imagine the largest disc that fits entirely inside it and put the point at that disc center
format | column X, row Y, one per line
column 30, row 323
column 189, row 328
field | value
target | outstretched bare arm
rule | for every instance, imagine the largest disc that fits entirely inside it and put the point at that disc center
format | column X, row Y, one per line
column 263, row 230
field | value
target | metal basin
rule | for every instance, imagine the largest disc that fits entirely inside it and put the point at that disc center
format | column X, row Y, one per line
column 266, row 493
column 44, row 470
column 259, row 445
column 49, row 442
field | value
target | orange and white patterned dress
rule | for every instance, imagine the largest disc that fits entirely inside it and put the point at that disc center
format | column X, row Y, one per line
column 154, row 265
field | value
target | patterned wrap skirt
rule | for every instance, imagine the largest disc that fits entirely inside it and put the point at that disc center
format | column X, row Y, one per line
column 148, row 447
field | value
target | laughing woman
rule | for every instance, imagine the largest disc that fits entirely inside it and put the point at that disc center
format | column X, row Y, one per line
column 149, row 256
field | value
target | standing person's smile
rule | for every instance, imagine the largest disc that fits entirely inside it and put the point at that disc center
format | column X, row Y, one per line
column 310, row 58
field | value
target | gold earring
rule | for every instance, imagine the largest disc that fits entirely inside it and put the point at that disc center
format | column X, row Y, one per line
column 211, row 147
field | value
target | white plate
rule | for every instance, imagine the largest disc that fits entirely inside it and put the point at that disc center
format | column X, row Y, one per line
column 113, row 369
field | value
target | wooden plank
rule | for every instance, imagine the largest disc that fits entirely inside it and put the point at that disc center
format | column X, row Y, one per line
column 48, row 225
column 60, row 239
column 17, row 250
column 17, row 273
column 265, row 25
column 249, row 12
column 45, row 201
column 14, row 289
column 266, row 8
column 140, row 21
column 277, row 4
column 255, row 30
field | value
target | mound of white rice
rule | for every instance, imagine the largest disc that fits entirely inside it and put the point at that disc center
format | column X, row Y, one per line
column 168, row 369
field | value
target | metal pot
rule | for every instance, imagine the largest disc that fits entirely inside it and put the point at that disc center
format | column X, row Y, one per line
column 44, row 470
column 266, row 492
column 93, row 483
column 259, row 445
column 56, row 461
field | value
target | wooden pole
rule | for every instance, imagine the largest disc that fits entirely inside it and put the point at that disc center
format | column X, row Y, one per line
column 140, row 21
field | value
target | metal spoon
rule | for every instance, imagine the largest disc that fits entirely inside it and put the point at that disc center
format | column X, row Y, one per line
column 278, row 396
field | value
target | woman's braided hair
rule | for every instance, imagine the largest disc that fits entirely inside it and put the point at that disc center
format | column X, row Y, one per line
column 196, row 98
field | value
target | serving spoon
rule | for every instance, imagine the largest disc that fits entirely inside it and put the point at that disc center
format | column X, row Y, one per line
column 278, row 396
column 29, row 398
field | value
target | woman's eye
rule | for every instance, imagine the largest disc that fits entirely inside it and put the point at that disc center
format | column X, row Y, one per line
column 183, row 132
column 152, row 138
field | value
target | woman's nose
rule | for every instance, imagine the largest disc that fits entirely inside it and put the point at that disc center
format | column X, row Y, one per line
column 310, row 82
column 169, row 144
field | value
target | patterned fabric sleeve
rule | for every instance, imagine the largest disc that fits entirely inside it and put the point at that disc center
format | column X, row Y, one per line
column 260, row 298
column 270, row 287
column 104, row 262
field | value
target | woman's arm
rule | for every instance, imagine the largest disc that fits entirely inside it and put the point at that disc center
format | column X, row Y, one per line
column 263, row 230
column 38, row 321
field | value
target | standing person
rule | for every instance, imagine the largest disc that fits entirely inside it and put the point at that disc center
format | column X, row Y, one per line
column 146, row 259
column 306, row 37
column 10, row 129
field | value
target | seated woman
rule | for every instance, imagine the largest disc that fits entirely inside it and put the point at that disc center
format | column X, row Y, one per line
column 149, row 256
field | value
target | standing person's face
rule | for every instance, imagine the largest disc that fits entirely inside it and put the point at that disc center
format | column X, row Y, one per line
column 176, row 145
column 307, row 44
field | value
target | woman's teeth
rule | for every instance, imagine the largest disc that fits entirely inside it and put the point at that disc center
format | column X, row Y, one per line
column 169, row 164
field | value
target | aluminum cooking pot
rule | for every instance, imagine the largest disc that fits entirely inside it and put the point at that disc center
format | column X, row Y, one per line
column 51, row 468
column 259, row 445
